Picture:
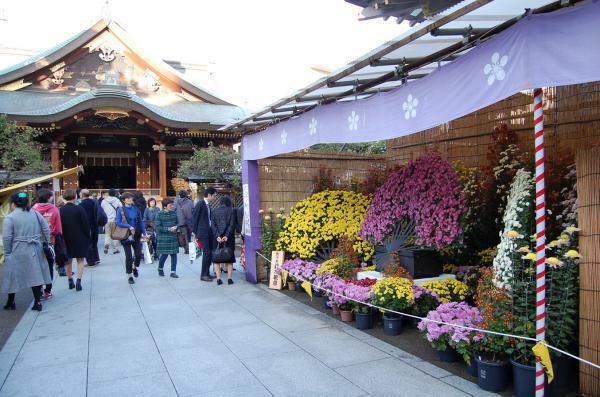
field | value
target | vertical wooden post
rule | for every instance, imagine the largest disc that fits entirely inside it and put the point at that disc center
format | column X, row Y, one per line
column 162, row 169
column 55, row 156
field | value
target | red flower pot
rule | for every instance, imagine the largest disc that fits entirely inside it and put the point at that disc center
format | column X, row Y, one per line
column 346, row 315
column 335, row 309
column 291, row 285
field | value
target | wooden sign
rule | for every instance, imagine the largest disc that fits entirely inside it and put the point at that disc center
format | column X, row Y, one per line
column 276, row 261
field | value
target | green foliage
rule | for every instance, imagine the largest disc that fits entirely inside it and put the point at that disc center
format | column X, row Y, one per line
column 377, row 147
column 18, row 149
column 271, row 224
column 221, row 163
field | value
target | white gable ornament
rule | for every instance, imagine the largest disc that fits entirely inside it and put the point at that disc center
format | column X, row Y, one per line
column 107, row 52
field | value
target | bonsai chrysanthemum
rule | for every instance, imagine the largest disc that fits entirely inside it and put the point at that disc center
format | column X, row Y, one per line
column 427, row 192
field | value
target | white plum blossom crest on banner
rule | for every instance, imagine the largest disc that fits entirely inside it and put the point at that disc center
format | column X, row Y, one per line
column 261, row 144
column 312, row 126
column 495, row 69
column 283, row 137
column 410, row 107
column 353, row 121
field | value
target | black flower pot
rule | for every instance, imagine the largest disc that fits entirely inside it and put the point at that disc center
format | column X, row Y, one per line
column 492, row 376
column 364, row 320
column 449, row 355
column 472, row 368
column 524, row 380
column 325, row 305
column 392, row 326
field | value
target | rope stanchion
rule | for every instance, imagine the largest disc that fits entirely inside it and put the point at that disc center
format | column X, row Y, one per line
column 540, row 234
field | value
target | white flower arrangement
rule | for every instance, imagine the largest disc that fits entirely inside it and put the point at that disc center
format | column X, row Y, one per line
column 517, row 220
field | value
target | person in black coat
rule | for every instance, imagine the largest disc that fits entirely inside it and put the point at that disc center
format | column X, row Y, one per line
column 139, row 201
column 76, row 233
column 223, row 221
column 202, row 231
column 91, row 209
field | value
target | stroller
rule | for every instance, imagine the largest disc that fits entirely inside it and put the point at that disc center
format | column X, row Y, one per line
column 149, row 225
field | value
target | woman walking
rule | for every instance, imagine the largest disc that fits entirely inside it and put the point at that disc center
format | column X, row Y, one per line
column 76, row 231
column 25, row 263
column 223, row 228
column 166, row 237
column 149, row 221
column 129, row 216
column 51, row 214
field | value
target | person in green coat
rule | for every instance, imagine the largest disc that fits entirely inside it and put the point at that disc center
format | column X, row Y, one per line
column 166, row 237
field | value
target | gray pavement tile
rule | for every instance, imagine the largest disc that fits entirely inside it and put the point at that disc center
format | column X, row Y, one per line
column 225, row 317
column 111, row 361
column 300, row 374
column 118, row 328
column 429, row 368
column 168, row 321
column 255, row 340
column 289, row 320
column 47, row 381
column 53, row 351
column 335, row 348
column 391, row 350
column 149, row 385
column 183, row 337
column 392, row 377
column 211, row 367
column 257, row 390
column 357, row 333
column 466, row 386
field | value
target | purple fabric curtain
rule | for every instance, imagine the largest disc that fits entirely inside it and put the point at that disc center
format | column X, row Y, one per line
column 542, row 50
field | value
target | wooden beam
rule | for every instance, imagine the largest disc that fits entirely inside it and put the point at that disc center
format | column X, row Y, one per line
column 162, row 171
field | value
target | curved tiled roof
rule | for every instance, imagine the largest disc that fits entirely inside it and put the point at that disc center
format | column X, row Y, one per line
column 51, row 107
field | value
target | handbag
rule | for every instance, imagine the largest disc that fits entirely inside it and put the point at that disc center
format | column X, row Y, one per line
column 118, row 232
column 146, row 251
column 48, row 250
column 181, row 239
column 222, row 254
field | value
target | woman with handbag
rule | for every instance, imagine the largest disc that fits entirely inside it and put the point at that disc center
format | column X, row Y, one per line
column 166, row 237
column 76, row 232
column 50, row 213
column 25, row 264
column 223, row 228
column 130, row 217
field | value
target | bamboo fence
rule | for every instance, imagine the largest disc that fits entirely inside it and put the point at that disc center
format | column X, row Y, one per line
column 588, row 191
column 287, row 179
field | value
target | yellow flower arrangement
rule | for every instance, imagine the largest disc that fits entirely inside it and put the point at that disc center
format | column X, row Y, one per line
column 449, row 290
column 322, row 218
column 330, row 266
column 572, row 254
column 368, row 268
column 530, row 256
column 394, row 293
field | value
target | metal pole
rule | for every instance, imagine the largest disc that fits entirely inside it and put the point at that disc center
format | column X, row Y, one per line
column 540, row 228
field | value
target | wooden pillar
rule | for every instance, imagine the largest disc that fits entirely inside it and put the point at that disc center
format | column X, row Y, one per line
column 55, row 156
column 162, row 169
column 588, row 194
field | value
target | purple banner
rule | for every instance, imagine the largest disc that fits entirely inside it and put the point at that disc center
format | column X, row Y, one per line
column 542, row 50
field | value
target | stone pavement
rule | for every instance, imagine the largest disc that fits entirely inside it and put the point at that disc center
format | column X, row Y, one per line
column 183, row 337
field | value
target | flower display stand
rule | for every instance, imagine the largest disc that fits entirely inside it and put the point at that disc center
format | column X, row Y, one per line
column 421, row 263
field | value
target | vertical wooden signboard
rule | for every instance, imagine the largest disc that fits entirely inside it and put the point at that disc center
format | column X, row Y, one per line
column 275, row 278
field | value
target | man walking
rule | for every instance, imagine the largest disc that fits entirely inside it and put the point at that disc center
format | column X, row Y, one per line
column 202, row 230
column 110, row 205
column 184, row 207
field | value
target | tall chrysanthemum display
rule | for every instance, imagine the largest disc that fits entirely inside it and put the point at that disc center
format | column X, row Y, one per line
column 316, row 224
column 518, row 218
column 426, row 194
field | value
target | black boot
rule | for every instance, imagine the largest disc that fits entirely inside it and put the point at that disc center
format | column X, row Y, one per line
column 37, row 306
column 71, row 284
column 10, row 306
column 78, row 285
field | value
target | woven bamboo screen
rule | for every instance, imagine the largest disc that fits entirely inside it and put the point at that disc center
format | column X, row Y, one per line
column 588, row 191
column 287, row 179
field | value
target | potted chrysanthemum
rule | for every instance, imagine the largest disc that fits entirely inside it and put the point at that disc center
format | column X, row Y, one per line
column 396, row 295
column 359, row 293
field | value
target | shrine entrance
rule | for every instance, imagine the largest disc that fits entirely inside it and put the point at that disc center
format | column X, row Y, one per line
column 106, row 177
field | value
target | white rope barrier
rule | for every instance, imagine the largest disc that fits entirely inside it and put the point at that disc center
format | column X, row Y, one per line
column 484, row 331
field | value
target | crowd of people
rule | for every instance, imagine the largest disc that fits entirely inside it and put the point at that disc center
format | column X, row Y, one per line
column 46, row 235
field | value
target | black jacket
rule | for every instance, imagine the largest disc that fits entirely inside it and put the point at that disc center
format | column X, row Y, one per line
column 223, row 222
column 76, row 230
column 91, row 210
column 200, row 225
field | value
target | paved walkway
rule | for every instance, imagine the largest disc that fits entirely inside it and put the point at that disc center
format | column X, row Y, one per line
column 183, row 337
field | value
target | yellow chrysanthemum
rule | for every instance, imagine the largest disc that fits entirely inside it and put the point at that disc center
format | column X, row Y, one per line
column 572, row 254
column 512, row 234
column 553, row 261
column 572, row 229
column 530, row 256
column 524, row 249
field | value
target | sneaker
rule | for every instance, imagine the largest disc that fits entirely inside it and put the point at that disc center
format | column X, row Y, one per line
column 47, row 295
column 174, row 275
column 161, row 272
column 229, row 281
column 135, row 273
column 131, row 280
column 106, row 249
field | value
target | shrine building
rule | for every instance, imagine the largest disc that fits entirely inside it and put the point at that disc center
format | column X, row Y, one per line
column 102, row 103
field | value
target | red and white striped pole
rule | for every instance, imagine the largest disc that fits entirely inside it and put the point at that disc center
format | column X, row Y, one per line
column 540, row 229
